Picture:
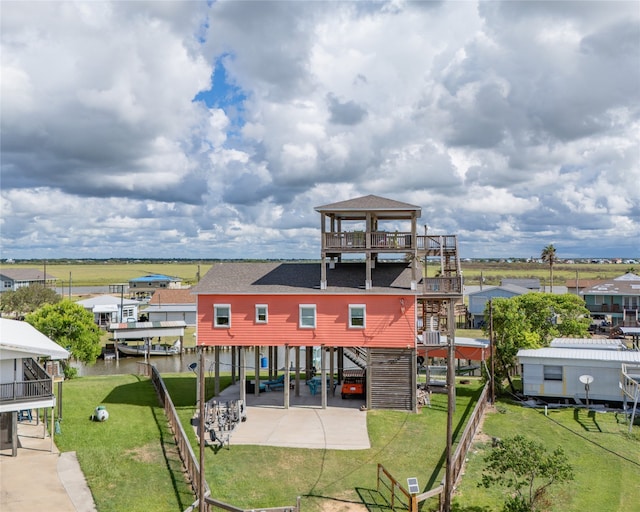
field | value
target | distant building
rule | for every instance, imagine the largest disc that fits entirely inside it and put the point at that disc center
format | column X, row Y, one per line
column 146, row 285
column 479, row 299
column 108, row 309
column 14, row 278
column 615, row 300
column 577, row 286
column 169, row 305
column 529, row 284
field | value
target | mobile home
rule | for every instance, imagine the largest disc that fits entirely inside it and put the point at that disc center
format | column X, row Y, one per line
column 556, row 372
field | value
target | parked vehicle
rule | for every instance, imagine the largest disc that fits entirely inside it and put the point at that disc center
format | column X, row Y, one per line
column 354, row 383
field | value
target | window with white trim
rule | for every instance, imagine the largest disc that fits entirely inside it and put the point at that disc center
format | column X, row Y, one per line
column 307, row 313
column 552, row 372
column 357, row 316
column 262, row 314
column 222, row 315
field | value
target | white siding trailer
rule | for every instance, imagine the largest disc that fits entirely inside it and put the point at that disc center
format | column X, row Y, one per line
column 555, row 372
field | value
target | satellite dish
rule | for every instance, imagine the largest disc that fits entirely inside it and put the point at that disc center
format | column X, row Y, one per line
column 193, row 366
column 586, row 379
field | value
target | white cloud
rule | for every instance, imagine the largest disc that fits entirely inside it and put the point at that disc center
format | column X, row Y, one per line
column 514, row 122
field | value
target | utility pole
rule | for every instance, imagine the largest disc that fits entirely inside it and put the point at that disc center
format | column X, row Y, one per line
column 493, row 354
column 451, row 404
column 202, row 481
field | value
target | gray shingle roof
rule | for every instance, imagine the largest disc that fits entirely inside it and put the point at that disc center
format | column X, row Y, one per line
column 627, row 284
column 25, row 274
column 302, row 278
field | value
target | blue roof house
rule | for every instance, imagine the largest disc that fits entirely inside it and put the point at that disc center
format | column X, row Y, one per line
column 479, row 299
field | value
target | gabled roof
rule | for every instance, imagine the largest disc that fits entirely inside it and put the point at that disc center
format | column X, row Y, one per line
column 512, row 288
column 20, row 339
column 25, row 274
column 582, row 283
column 164, row 297
column 359, row 206
column 302, row 278
column 105, row 300
column 627, row 284
column 531, row 284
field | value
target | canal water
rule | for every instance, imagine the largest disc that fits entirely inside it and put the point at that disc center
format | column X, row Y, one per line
column 180, row 363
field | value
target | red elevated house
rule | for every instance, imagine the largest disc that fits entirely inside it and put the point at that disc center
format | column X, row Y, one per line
column 351, row 305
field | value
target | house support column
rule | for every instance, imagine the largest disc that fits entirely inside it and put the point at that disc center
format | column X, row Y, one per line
column 323, row 376
column 243, row 375
column 216, row 375
column 234, row 362
column 323, row 253
column 369, row 256
column 297, row 371
column 414, row 253
column 287, row 376
column 256, row 388
column 331, row 371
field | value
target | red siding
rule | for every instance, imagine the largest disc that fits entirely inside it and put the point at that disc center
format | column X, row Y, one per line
column 389, row 323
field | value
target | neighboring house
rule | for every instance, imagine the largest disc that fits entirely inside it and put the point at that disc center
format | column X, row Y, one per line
column 14, row 278
column 172, row 305
column 616, row 300
column 107, row 309
column 479, row 299
column 362, row 311
column 577, row 286
column 555, row 372
column 144, row 286
column 24, row 383
column 530, row 284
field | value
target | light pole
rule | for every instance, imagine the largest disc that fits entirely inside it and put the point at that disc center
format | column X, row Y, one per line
column 202, row 507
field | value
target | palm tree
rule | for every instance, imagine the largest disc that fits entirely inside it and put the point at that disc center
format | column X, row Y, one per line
column 548, row 255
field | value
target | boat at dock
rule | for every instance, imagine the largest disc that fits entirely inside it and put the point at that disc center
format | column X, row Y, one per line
column 149, row 349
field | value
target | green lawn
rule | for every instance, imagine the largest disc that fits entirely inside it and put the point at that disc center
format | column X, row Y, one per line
column 605, row 458
column 131, row 463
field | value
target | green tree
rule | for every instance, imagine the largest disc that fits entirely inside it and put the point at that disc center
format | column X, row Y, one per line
column 70, row 326
column 532, row 320
column 528, row 470
column 27, row 299
column 548, row 255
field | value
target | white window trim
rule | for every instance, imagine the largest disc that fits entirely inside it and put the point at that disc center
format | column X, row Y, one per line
column 266, row 314
column 315, row 316
column 364, row 316
column 215, row 316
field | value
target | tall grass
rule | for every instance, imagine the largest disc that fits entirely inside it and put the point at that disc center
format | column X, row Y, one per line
column 102, row 274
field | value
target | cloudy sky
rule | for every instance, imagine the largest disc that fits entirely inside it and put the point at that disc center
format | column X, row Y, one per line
column 211, row 130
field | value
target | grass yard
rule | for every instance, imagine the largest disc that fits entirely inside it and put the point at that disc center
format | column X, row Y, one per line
column 605, row 459
column 131, row 463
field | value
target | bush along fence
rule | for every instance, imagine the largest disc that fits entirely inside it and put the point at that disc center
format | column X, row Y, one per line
column 189, row 460
column 400, row 498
